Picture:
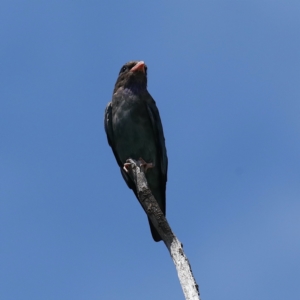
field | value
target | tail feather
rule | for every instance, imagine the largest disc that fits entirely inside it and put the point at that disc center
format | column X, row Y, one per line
column 159, row 197
column 154, row 232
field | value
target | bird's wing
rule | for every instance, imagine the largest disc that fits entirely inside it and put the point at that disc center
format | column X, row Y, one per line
column 160, row 139
column 111, row 141
column 108, row 124
column 109, row 131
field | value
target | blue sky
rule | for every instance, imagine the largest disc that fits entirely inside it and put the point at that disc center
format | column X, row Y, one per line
column 225, row 76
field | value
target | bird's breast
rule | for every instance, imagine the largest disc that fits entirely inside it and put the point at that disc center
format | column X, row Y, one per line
column 133, row 129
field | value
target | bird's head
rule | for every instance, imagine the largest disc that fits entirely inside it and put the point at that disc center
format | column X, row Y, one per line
column 133, row 76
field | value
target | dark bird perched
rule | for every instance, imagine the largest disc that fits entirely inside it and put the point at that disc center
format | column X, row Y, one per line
column 134, row 130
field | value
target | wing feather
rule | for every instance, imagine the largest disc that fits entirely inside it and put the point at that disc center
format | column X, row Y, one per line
column 160, row 139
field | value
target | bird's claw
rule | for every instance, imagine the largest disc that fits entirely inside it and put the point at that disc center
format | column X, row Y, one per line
column 126, row 167
column 143, row 164
column 146, row 165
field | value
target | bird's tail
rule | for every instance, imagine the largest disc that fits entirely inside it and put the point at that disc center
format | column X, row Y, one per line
column 160, row 197
column 154, row 232
column 158, row 194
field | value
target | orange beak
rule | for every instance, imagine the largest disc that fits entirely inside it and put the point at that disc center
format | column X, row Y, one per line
column 140, row 66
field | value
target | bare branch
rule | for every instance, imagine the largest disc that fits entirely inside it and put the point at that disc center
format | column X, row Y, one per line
column 147, row 200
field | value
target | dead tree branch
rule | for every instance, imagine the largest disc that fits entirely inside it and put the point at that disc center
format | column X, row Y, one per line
column 147, row 200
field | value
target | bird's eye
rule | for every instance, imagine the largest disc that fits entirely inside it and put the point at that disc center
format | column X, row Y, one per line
column 123, row 69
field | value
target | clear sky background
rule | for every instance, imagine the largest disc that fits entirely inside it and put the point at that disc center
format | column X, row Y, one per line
column 226, row 79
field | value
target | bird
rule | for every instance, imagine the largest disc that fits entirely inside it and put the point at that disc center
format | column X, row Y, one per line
column 134, row 130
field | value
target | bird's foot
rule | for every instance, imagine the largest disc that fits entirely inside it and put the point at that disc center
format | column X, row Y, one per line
column 126, row 167
column 146, row 165
column 143, row 164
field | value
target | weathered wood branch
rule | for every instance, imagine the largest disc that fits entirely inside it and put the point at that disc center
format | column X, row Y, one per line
column 147, row 200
